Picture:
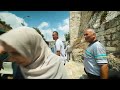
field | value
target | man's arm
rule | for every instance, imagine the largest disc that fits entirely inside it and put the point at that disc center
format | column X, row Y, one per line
column 58, row 48
column 104, row 71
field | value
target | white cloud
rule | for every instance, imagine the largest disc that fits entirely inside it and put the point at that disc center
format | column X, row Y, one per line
column 44, row 27
column 62, row 37
column 43, row 24
column 12, row 19
column 66, row 21
column 54, row 29
column 64, row 26
column 47, row 34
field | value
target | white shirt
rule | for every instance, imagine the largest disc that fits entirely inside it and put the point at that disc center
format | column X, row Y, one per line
column 68, row 49
column 59, row 46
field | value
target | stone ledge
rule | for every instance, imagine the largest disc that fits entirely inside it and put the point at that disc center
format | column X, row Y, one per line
column 111, row 49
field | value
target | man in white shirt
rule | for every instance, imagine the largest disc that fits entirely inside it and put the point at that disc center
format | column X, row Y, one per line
column 68, row 51
column 59, row 46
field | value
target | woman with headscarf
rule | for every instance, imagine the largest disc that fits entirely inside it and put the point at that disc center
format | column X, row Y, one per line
column 26, row 47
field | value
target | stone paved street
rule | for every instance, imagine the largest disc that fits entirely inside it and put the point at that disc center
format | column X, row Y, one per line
column 74, row 69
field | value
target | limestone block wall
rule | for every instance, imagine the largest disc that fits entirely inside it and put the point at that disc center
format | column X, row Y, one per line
column 78, row 21
column 106, row 25
column 74, row 25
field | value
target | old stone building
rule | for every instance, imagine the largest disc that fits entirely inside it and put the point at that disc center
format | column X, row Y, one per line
column 107, row 27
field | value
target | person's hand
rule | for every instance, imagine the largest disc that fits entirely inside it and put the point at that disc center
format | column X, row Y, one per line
column 1, row 65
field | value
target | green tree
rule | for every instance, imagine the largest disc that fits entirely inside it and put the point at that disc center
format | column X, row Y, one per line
column 6, row 27
column 22, row 24
column 39, row 33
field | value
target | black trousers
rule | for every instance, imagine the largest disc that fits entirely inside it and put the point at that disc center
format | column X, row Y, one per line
column 91, row 76
column 16, row 71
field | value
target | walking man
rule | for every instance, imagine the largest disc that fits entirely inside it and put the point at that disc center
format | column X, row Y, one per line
column 68, row 51
column 59, row 46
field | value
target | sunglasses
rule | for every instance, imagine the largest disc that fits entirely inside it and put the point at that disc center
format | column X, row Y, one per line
column 4, row 57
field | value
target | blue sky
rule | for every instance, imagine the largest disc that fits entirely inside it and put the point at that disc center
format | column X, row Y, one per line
column 46, row 21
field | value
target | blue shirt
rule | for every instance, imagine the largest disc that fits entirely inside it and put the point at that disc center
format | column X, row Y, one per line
column 94, row 55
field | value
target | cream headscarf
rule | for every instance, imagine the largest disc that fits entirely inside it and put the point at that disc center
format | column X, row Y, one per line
column 45, row 64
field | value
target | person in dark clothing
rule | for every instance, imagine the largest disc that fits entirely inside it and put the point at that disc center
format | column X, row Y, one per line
column 16, row 71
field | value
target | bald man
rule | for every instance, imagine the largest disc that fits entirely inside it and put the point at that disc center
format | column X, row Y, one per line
column 95, row 58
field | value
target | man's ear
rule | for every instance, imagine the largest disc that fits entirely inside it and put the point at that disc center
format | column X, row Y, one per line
column 94, row 35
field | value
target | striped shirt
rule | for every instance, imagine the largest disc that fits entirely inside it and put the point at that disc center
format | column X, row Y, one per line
column 94, row 55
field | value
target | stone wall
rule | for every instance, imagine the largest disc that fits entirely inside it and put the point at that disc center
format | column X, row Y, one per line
column 106, row 25
column 74, row 25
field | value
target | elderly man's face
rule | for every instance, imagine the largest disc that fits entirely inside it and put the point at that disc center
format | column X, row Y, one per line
column 89, row 36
